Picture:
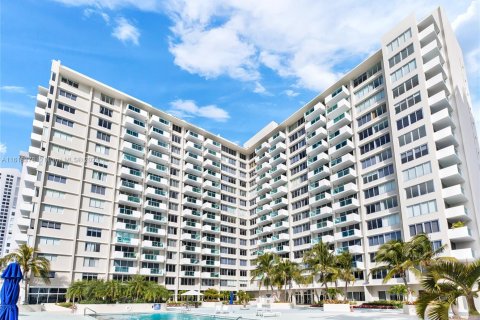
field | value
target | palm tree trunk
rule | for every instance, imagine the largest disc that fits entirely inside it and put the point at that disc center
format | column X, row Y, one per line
column 345, row 292
column 472, row 310
column 285, row 284
column 25, row 288
column 406, row 283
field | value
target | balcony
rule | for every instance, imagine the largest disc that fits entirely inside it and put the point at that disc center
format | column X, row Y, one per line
column 342, row 162
column 280, row 237
column 122, row 226
column 431, row 50
column 125, row 255
column 126, row 241
column 344, row 190
column 340, row 121
column 451, row 175
column 211, row 144
column 277, row 170
column 194, row 214
column 151, row 271
column 193, row 169
column 33, row 151
column 434, row 66
column 128, row 270
column 193, row 136
column 348, row 235
column 341, row 148
column 437, row 84
column 212, row 207
column 439, row 101
column 315, row 136
column 355, row 249
column 195, row 237
column 445, row 138
column 320, row 212
column 463, row 255
column 212, row 165
column 211, row 196
column 209, row 228
column 263, row 168
column 319, row 199
column 153, row 244
column 322, row 226
column 26, row 208
column 159, row 134
column 279, row 214
column 210, row 263
column 462, row 234
column 133, row 111
column 131, row 214
column 263, row 158
column 457, row 213
column 158, row 121
column 193, row 147
column 158, row 145
column 211, row 175
column 279, row 203
column 277, row 137
column 278, row 192
column 210, row 251
column 189, row 261
column 149, row 230
column 210, row 275
column 315, row 123
column 319, row 186
column 210, row 217
column 262, row 147
column 211, row 185
column 133, row 148
column 133, row 136
column 317, row 161
column 193, row 180
column 149, row 217
column 454, row 195
column 325, row 239
column 347, row 204
column 263, row 178
column 36, row 139
column 336, row 96
column 155, row 205
column 262, row 231
column 317, row 147
column 132, row 161
column 348, row 219
column 263, row 209
column 341, row 107
column 442, row 119
column 263, row 188
column 191, row 225
column 344, row 175
column 314, row 111
column 211, row 240
column 193, row 158
column 157, row 156
column 339, row 135
column 276, row 149
column 129, row 200
column 278, row 181
column 427, row 34
column 263, row 199
column 134, row 124
column 280, row 225
column 190, row 274
column 277, row 159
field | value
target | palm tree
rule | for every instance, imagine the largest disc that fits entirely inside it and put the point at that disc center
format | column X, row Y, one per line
column 76, row 291
column 344, row 271
column 211, row 294
column 243, row 297
column 156, row 293
column 263, row 273
column 137, row 286
column 443, row 283
column 284, row 273
column 320, row 261
column 30, row 263
column 114, row 290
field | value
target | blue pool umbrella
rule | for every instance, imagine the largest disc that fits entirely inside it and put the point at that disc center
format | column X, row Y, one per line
column 231, row 297
column 10, row 290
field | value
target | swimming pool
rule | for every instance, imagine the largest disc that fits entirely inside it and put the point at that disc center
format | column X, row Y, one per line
column 160, row 316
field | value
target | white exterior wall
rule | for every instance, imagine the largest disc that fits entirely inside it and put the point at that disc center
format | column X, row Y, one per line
column 274, row 218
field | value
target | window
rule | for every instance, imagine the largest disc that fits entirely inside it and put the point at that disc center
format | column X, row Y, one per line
column 107, row 99
column 417, row 171
column 377, row 112
column 57, row 163
column 97, row 189
column 380, row 189
column 410, row 119
column 372, row 85
column 49, row 241
column 100, row 163
column 62, row 136
column 404, row 87
column 55, row 194
column 102, row 149
column 103, row 136
column 412, row 136
column 424, row 227
column 104, row 123
column 56, row 178
column 408, row 102
column 401, row 39
column 387, row 221
column 50, row 224
column 66, row 108
column 94, row 232
column 90, row 262
column 381, row 205
column 420, row 189
column 379, row 157
column 52, row 209
column 67, row 95
column 373, row 129
column 99, row 175
column 414, row 153
column 106, row 111
column 64, row 121
column 94, row 217
column 70, row 82
column 406, row 69
column 421, row 209
column 92, row 247
column 89, row 276
column 378, row 174
column 384, row 238
column 370, row 101
column 380, row 141
column 95, row 203
column 364, row 76
column 400, row 56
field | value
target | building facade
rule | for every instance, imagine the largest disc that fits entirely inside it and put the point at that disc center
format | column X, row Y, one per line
column 118, row 187
column 9, row 189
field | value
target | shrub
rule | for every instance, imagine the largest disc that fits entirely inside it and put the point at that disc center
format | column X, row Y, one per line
column 381, row 304
column 65, row 304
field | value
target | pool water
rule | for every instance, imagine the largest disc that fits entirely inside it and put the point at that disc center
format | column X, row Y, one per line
column 157, row 316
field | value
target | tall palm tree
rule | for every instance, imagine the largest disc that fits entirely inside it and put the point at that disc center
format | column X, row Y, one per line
column 285, row 272
column 344, row 271
column 264, row 270
column 137, row 286
column 114, row 290
column 76, row 291
column 156, row 293
column 320, row 261
column 31, row 264
column 443, row 283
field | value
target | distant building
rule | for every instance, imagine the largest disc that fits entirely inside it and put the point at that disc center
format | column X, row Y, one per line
column 9, row 189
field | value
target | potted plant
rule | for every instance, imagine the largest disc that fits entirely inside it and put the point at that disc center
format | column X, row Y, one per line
column 458, row 224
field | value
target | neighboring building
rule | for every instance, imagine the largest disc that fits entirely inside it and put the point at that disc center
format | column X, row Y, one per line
column 123, row 188
column 9, row 186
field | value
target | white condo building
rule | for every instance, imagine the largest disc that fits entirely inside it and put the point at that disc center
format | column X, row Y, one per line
column 9, row 189
column 118, row 187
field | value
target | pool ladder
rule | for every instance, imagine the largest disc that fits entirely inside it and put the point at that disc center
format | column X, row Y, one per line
column 93, row 312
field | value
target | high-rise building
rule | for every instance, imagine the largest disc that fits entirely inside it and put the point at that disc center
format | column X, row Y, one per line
column 9, row 188
column 387, row 152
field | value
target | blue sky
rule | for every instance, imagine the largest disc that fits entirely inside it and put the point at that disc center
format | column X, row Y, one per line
column 230, row 67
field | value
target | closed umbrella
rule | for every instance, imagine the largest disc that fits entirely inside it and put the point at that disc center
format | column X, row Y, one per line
column 231, row 297
column 10, row 290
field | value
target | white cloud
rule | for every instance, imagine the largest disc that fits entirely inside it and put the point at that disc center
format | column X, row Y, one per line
column 15, row 109
column 189, row 109
column 259, row 88
column 125, row 31
column 13, row 89
column 144, row 5
column 305, row 40
column 291, row 93
column 90, row 11
column 3, row 148
column 469, row 15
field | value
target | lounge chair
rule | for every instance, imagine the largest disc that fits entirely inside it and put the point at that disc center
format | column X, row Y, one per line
column 271, row 314
column 218, row 308
column 226, row 309
column 259, row 309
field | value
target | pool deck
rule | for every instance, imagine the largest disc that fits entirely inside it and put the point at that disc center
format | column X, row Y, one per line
column 296, row 314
